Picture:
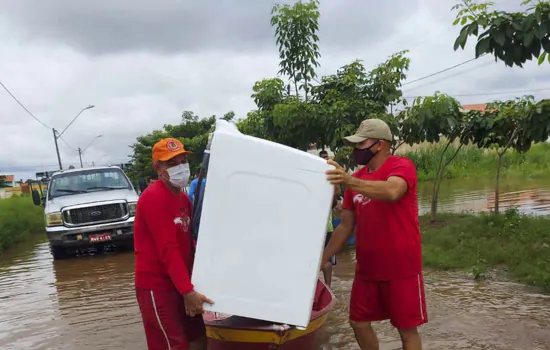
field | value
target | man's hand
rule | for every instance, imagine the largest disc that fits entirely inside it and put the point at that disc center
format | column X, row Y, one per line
column 193, row 303
column 338, row 175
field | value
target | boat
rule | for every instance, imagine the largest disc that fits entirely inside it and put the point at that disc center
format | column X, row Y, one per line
column 227, row 332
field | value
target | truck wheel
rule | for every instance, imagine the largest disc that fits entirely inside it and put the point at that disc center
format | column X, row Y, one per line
column 58, row 253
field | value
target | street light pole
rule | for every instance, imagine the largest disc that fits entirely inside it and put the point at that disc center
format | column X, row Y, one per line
column 57, row 149
column 78, row 115
column 57, row 135
column 80, row 150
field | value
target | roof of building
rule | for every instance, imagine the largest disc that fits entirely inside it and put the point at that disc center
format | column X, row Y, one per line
column 475, row 107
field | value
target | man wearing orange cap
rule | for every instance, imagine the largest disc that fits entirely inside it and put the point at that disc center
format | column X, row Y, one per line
column 170, row 308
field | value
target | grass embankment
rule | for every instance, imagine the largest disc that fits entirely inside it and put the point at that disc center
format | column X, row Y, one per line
column 473, row 162
column 520, row 244
column 19, row 218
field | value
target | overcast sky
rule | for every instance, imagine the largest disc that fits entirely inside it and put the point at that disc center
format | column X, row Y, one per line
column 142, row 63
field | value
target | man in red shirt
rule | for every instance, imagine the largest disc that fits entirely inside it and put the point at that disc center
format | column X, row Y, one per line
column 380, row 200
column 170, row 308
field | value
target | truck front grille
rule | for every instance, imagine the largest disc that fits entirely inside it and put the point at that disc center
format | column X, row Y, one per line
column 95, row 214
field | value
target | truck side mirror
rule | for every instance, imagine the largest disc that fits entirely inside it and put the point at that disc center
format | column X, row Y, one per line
column 36, row 198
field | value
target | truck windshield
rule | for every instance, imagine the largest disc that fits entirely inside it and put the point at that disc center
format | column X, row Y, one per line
column 86, row 181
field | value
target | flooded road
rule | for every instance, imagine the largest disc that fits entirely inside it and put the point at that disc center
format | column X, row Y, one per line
column 88, row 303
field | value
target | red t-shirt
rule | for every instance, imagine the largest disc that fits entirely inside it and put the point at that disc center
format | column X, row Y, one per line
column 162, row 240
column 387, row 233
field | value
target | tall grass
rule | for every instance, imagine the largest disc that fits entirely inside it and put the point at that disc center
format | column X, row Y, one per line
column 519, row 243
column 472, row 162
column 19, row 218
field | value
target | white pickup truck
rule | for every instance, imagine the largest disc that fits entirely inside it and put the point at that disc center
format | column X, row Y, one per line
column 88, row 208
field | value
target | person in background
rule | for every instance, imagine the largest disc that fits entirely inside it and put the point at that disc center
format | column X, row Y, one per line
column 152, row 179
column 194, row 184
column 171, row 309
column 381, row 200
column 327, row 266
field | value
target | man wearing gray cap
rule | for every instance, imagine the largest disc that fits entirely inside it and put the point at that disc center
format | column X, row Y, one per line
column 381, row 201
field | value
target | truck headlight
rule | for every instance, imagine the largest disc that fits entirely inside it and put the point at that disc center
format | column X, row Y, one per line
column 132, row 207
column 54, row 219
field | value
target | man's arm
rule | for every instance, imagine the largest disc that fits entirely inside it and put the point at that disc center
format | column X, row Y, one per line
column 163, row 229
column 340, row 235
column 390, row 190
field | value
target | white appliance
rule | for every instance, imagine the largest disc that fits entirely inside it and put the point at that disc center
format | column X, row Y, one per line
column 263, row 227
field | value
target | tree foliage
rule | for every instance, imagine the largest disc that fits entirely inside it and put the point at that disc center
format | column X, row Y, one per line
column 337, row 105
column 2, row 181
column 296, row 29
column 511, row 37
column 192, row 132
column 440, row 118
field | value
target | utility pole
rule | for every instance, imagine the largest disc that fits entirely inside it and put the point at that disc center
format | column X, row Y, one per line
column 57, row 135
column 80, row 156
column 57, row 149
column 81, row 150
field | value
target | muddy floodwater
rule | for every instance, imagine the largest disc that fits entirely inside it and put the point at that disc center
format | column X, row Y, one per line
column 88, row 303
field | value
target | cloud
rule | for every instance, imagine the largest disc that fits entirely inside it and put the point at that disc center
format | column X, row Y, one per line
column 168, row 26
column 142, row 63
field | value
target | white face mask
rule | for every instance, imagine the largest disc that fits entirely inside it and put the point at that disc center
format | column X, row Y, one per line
column 179, row 175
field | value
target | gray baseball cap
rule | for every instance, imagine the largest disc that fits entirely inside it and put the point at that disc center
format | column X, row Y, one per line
column 370, row 129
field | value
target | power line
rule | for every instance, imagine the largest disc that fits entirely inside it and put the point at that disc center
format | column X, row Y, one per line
column 23, row 106
column 67, row 144
column 16, row 168
column 432, row 74
column 446, row 77
column 489, row 93
column 441, row 71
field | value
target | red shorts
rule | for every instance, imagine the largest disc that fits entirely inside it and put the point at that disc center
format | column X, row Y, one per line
column 166, row 324
column 401, row 301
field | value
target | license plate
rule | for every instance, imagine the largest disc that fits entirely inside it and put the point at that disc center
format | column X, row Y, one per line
column 102, row 237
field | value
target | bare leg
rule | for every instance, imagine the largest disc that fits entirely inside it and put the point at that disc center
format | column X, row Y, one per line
column 365, row 335
column 327, row 273
column 410, row 339
column 199, row 344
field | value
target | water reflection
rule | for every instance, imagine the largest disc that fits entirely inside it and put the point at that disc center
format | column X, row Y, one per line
column 528, row 196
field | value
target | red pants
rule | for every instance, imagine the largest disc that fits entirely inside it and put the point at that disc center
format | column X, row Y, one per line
column 165, row 322
column 401, row 301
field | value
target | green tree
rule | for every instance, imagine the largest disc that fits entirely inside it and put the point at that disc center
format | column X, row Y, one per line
column 512, row 37
column 192, row 132
column 296, row 29
column 332, row 109
column 353, row 95
column 515, row 124
column 440, row 118
column 268, row 93
column 2, row 181
column 229, row 116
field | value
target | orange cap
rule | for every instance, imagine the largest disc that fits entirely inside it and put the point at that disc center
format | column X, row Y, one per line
column 167, row 149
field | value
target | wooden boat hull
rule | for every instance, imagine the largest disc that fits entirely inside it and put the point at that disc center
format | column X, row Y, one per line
column 238, row 333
